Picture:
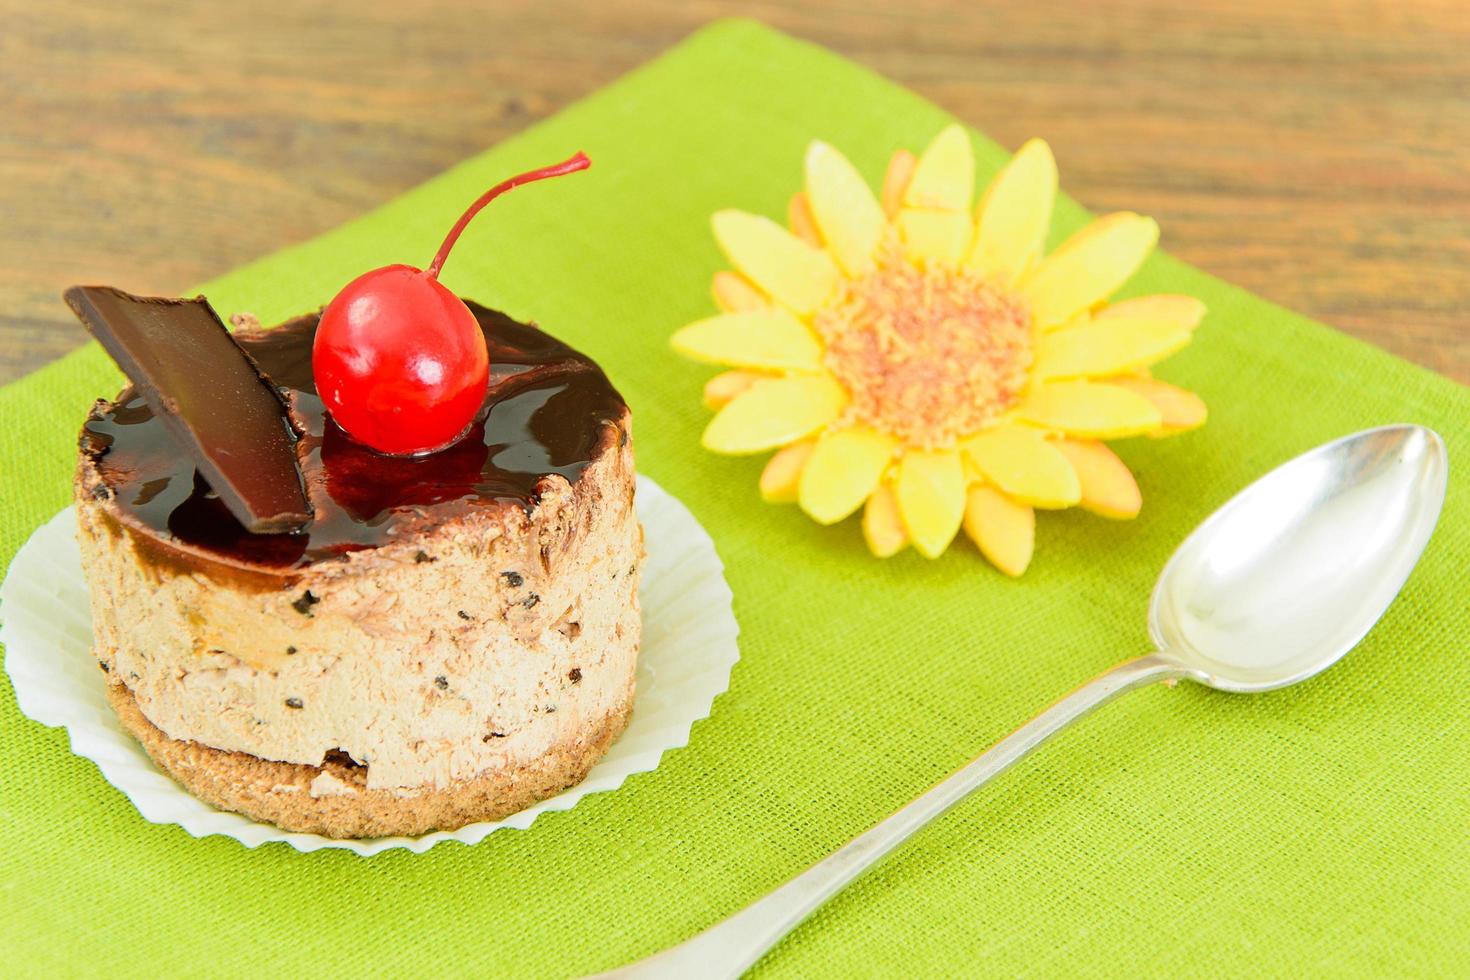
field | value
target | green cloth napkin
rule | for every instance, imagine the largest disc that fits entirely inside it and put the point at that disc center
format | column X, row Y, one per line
column 1321, row 829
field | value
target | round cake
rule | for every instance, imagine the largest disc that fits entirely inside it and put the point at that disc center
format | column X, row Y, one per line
column 452, row 638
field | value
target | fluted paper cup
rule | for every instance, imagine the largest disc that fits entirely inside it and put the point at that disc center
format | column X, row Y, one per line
column 689, row 647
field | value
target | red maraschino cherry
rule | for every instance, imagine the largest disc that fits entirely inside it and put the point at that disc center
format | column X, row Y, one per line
column 399, row 360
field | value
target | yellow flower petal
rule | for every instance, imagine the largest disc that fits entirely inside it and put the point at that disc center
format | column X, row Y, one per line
column 1004, row 529
column 735, row 294
column 843, row 471
column 803, row 224
column 787, row 268
column 1181, row 410
column 774, row 413
column 844, row 207
column 1083, row 408
column 934, row 236
column 1183, row 312
column 772, row 339
column 1079, row 320
column 782, row 474
column 1015, row 214
column 722, row 389
column 896, row 180
column 1108, row 345
column 931, row 499
column 1108, row 488
column 882, row 526
column 1025, row 465
column 944, row 177
column 1089, row 266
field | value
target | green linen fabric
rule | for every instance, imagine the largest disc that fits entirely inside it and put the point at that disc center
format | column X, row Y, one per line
column 1319, row 830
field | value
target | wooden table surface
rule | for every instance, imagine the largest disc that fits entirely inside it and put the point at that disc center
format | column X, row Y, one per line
column 1316, row 152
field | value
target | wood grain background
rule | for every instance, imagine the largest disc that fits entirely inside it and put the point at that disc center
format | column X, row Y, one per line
column 1314, row 151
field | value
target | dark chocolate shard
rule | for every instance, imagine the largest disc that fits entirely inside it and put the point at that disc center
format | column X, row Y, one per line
column 211, row 397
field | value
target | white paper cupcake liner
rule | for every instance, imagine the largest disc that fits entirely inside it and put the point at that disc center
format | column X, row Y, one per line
column 689, row 634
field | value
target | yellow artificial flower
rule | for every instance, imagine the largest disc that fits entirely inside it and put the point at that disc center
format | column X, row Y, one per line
column 918, row 357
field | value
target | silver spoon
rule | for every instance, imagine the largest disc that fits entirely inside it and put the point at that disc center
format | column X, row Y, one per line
column 1274, row 587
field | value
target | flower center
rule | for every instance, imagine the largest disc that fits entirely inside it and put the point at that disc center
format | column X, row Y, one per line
column 929, row 356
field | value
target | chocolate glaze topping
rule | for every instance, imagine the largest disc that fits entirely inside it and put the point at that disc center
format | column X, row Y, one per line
column 547, row 411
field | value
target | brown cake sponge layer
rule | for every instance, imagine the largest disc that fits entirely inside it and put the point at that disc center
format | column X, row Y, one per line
column 333, row 799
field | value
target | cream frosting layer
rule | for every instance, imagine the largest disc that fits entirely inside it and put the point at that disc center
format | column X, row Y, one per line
column 473, row 646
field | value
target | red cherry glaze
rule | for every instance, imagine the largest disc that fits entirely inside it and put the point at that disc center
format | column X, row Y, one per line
column 399, row 360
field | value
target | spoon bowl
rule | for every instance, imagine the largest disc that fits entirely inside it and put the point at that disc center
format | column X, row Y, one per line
column 1288, row 576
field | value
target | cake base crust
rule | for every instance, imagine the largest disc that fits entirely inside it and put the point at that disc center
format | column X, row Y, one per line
column 333, row 799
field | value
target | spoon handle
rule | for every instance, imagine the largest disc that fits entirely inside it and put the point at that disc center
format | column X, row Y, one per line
column 731, row 946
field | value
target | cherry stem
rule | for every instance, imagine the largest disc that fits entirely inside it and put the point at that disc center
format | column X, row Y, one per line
column 571, row 165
